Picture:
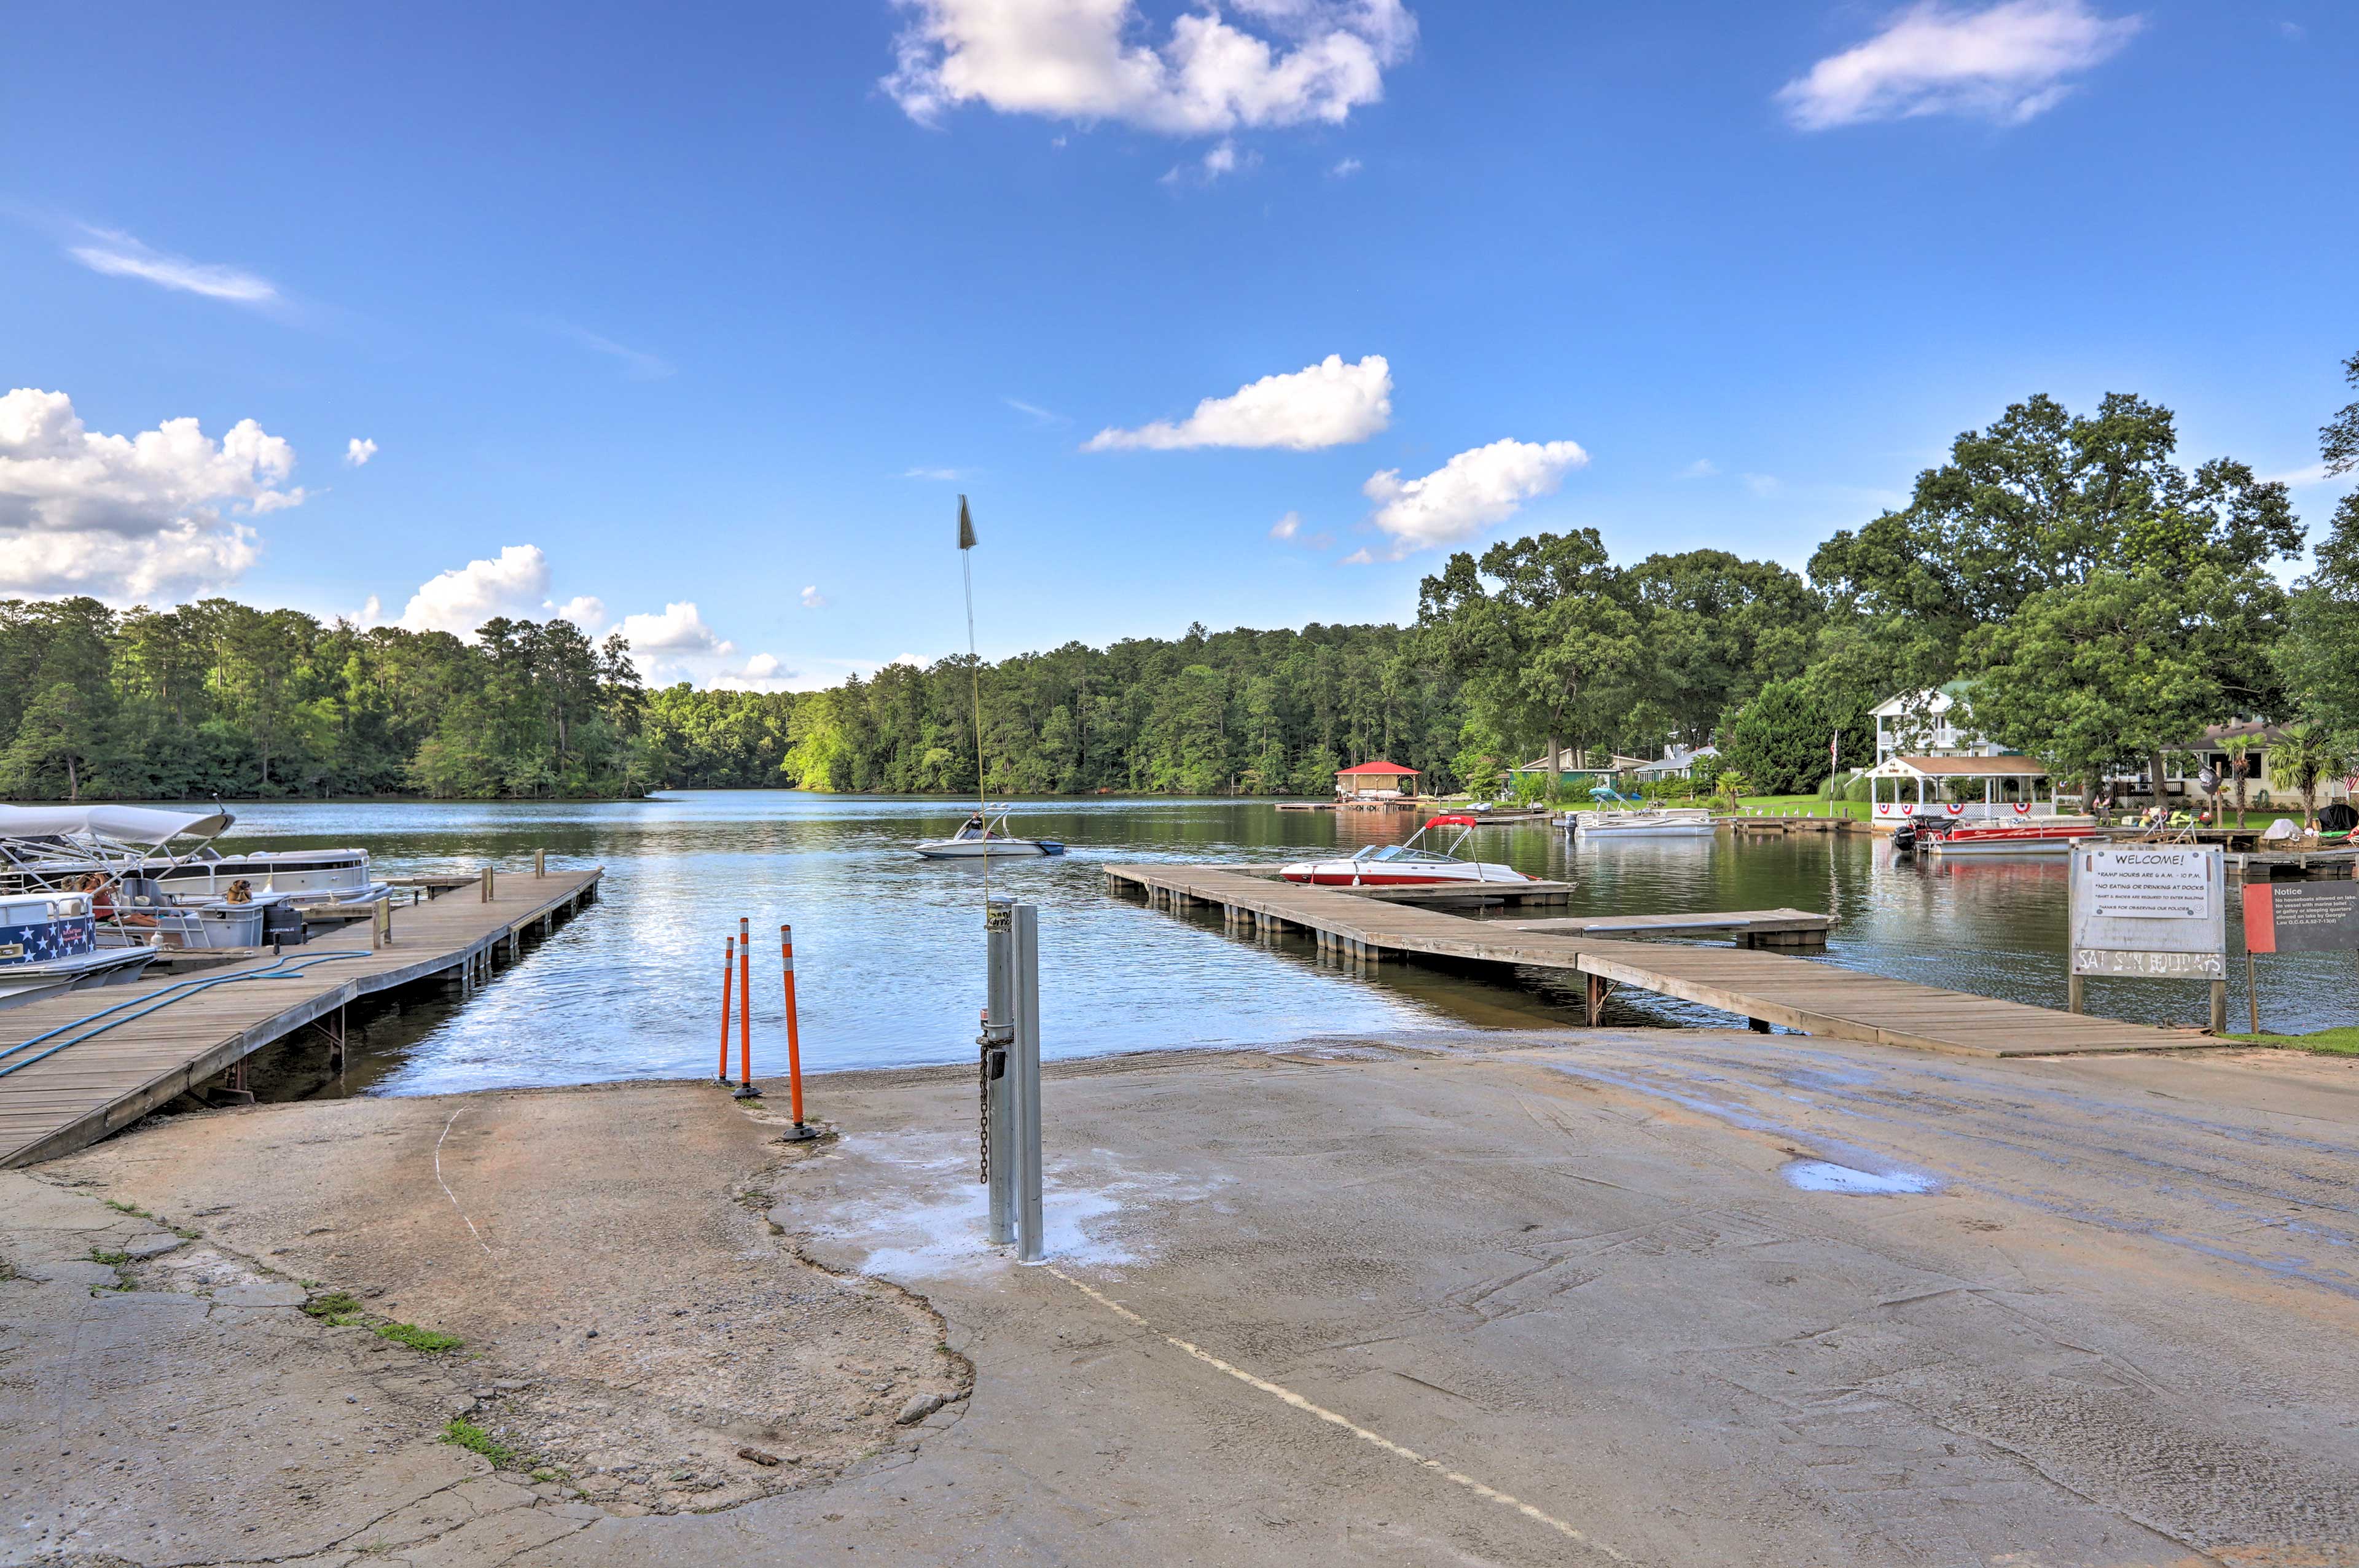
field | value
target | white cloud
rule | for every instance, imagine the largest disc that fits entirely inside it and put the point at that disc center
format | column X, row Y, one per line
column 679, row 630
column 813, row 599
column 2293, row 31
column 1347, row 168
column 1286, row 526
column 638, row 364
column 1762, row 483
column 1330, row 404
column 935, row 473
column 1038, row 415
column 359, row 451
column 1082, row 59
column 763, row 672
column 126, row 517
column 118, row 255
column 585, row 610
column 1702, row 468
column 2006, row 62
column 515, row 585
column 1471, row 491
column 372, row 611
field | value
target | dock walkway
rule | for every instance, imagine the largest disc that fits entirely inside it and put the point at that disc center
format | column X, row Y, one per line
column 1766, row 989
column 55, row 1103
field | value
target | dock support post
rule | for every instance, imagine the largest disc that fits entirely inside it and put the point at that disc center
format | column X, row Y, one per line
column 382, row 924
column 998, row 1083
column 1026, row 1059
column 487, row 884
column 2220, row 1007
column 1596, row 1000
column 2075, row 994
column 541, row 862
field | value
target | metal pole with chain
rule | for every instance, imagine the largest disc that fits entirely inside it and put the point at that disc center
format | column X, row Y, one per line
column 998, row 1036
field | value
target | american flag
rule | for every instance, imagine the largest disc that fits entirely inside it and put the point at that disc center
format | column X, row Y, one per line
column 44, row 940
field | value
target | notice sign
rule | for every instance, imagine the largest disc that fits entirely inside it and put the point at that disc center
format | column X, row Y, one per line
column 2154, row 910
column 2302, row 917
column 2162, row 883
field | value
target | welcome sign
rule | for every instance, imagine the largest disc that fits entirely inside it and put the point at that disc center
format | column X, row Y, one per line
column 2153, row 910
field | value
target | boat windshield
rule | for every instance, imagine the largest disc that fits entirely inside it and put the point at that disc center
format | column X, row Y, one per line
column 1395, row 852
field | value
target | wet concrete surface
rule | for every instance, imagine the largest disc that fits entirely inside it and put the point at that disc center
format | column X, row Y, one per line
column 1503, row 1299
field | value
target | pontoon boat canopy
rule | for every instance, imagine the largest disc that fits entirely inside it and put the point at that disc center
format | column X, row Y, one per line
column 123, row 824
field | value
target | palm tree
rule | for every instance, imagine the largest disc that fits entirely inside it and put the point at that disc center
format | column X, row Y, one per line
column 2239, row 761
column 2306, row 755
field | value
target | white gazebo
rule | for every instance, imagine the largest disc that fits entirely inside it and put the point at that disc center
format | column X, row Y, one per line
column 2010, row 789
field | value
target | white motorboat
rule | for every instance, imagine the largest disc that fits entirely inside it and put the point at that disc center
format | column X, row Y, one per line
column 49, row 943
column 1623, row 817
column 1405, row 865
column 980, row 840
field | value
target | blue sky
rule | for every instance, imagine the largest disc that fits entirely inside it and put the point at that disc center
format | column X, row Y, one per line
column 690, row 312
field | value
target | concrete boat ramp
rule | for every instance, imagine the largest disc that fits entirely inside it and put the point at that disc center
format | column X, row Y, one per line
column 79, row 1066
column 1765, row 989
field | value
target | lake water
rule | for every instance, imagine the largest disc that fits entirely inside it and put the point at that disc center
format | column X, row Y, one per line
column 889, row 948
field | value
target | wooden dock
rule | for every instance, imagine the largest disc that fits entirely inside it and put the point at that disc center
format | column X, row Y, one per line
column 1765, row 989
column 1749, row 927
column 54, row 1101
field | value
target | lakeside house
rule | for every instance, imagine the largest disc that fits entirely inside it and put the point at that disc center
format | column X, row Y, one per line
column 1676, row 762
column 2215, row 748
column 1577, row 760
column 1378, row 780
column 1920, row 723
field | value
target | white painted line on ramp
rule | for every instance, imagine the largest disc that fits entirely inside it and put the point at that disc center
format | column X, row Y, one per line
column 1490, row 1494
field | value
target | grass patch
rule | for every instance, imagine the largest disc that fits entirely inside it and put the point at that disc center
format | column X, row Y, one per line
column 336, row 1309
column 2325, row 1042
column 120, row 1208
column 466, row 1434
column 112, row 1260
column 431, row 1340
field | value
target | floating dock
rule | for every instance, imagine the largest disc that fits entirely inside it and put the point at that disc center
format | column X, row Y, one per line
column 1765, row 989
column 67, row 1079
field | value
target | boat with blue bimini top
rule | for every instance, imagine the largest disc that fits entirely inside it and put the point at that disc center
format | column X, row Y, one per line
column 980, row 838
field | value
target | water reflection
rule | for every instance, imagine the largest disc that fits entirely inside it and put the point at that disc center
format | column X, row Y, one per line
column 889, row 948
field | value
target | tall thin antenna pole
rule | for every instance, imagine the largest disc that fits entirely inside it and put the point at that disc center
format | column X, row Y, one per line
column 974, row 670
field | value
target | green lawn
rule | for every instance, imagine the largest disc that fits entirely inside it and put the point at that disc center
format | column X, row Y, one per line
column 2325, row 1042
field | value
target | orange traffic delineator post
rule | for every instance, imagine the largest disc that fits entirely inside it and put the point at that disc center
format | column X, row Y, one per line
column 728, row 977
column 745, row 1090
column 800, row 1133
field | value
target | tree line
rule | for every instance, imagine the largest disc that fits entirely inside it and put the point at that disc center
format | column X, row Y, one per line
column 2100, row 602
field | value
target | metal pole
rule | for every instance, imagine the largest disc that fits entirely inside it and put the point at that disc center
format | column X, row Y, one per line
column 999, row 1085
column 1024, row 1065
column 745, row 1009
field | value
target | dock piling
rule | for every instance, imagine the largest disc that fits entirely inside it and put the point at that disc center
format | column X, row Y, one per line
column 728, row 979
column 541, row 862
column 794, row 1043
column 745, row 1090
column 487, row 884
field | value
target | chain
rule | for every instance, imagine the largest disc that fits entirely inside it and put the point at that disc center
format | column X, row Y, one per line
column 983, row 1104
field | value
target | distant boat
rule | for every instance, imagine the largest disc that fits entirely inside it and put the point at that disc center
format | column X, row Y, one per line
column 2036, row 836
column 1405, row 865
column 1623, row 817
column 979, row 840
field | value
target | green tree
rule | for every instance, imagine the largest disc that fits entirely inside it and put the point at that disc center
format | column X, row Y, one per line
column 1779, row 741
column 2304, row 758
column 2319, row 658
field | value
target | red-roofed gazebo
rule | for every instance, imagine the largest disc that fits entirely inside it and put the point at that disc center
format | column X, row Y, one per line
column 1375, row 781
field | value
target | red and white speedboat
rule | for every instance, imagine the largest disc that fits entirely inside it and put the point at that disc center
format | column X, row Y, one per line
column 2031, row 836
column 1405, row 865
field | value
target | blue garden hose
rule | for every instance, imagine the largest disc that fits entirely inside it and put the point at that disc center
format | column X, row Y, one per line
column 147, row 1004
